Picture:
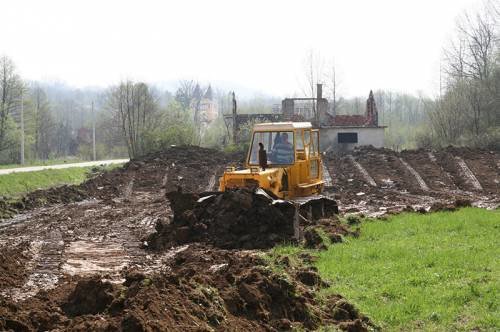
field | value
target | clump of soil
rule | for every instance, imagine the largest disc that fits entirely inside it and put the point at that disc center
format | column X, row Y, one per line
column 313, row 239
column 13, row 265
column 203, row 289
column 317, row 234
column 241, row 218
column 90, row 296
column 6, row 209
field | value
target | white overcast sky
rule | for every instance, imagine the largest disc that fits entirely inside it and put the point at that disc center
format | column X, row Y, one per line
column 258, row 44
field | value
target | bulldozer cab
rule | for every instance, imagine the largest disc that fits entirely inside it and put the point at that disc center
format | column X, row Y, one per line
column 293, row 162
column 285, row 143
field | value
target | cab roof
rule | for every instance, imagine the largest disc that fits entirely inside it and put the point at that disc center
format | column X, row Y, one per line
column 281, row 126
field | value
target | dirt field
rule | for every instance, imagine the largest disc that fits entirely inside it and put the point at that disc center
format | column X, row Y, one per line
column 78, row 257
column 374, row 182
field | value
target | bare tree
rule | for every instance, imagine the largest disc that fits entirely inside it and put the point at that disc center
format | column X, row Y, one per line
column 314, row 74
column 135, row 108
column 332, row 84
column 471, row 66
column 43, row 123
column 186, row 93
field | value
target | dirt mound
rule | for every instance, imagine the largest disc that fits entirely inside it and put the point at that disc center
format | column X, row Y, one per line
column 322, row 232
column 90, row 296
column 203, row 290
column 194, row 168
column 63, row 194
column 240, row 218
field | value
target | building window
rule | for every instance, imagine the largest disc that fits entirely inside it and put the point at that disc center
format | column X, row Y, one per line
column 347, row 137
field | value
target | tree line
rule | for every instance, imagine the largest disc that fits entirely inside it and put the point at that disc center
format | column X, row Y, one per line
column 468, row 108
column 465, row 112
column 130, row 119
column 134, row 118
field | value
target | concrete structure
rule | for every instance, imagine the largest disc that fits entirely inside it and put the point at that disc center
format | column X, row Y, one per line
column 345, row 132
column 339, row 132
column 350, row 137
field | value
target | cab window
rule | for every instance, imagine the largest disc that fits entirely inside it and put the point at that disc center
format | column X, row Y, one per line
column 278, row 144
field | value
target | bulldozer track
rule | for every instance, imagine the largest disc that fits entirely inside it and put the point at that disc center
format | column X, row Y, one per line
column 211, row 184
column 363, row 171
column 326, row 176
column 417, row 176
column 447, row 175
column 468, row 174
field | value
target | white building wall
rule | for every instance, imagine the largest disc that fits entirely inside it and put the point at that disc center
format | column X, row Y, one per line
column 366, row 136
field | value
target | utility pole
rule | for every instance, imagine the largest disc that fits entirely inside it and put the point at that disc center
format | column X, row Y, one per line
column 93, row 132
column 22, row 127
column 235, row 120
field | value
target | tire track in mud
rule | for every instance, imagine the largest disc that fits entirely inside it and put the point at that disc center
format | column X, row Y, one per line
column 326, row 175
column 485, row 167
column 103, row 236
column 449, row 165
column 362, row 171
column 129, row 188
column 466, row 172
column 439, row 177
column 109, row 242
column 211, row 183
column 387, row 171
column 399, row 188
column 43, row 267
column 417, row 176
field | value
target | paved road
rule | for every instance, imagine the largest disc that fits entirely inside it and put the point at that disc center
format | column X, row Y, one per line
column 41, row 168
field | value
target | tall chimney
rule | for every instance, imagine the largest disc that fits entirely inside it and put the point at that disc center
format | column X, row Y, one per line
column 319, row 91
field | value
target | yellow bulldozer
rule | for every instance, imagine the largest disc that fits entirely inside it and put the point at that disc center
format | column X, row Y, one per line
column 284, row 160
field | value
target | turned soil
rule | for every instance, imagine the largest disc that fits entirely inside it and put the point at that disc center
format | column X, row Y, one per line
column 118, row 253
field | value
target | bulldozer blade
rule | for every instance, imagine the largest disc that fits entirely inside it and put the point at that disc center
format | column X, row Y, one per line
column 317, row 207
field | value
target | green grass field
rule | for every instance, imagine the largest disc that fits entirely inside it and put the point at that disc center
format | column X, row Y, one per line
column 432, row 272
column 15, row 184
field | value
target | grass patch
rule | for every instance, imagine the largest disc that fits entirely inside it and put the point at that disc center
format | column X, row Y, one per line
column 16, row 184
column 435, row 271
column 48, row 162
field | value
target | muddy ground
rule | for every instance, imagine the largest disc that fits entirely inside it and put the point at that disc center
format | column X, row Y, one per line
column 374, row 182
column 66, row 243
column 198, row 289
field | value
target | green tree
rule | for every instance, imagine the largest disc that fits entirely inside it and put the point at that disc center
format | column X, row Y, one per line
column 10, row 91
